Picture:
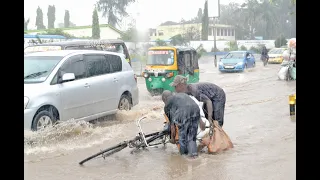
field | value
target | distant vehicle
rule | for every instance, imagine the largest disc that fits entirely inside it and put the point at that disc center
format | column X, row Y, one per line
column 237, row 61
column 275, row 55
column 112, row 45
column 76, row 84
column 165, row 62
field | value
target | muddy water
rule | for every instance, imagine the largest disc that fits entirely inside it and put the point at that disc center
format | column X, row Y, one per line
column 256, row 118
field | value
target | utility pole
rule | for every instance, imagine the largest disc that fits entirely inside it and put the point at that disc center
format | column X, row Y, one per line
column 214, row 41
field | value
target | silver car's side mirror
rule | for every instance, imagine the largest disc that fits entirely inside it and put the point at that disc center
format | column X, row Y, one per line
column 68, row 77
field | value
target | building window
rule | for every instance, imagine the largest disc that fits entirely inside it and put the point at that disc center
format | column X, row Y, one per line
column 160, row 33
column 232, row 32
column 221, row 32
column 210, row 31
column 218, row 32
column 225, row 32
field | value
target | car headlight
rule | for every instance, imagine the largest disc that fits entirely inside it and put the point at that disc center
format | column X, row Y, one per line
column 240, row 63
column 26, row 101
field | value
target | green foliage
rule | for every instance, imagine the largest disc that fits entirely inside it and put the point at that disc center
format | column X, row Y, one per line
column 39, row 19
column 58, row 32
column 255, row 49
column 200, row 51
column 26, row 22
column 214, row 50
column 205, row 23
column 66, row 19
column 280, row 41
column 130, row 35
column 95, row 25
column 260, row 18
column 233, row 46
column 243, row 48
column 178, row 40
column 114, row 10
column 160, row 42
column 51, row 16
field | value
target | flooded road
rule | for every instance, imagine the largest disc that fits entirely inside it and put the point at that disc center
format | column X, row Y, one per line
column 256, row 119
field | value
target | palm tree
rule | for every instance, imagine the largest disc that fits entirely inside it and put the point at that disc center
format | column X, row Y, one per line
column 114, row 10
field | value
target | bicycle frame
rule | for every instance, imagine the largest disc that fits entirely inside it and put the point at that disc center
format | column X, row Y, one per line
column 142, row 135
column 140, row 141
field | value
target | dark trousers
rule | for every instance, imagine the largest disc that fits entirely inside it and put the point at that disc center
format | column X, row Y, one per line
column 187, row 136
column 218, row 111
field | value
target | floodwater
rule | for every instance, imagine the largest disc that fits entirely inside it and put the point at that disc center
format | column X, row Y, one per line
column 256, row 119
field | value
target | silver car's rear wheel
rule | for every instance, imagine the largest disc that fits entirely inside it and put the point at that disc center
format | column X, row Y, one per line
column 124, row 103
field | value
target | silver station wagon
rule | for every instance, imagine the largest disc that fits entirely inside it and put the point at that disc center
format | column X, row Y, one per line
column 76, row 84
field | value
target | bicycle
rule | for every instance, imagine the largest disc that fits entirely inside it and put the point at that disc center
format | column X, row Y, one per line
column 140, row 141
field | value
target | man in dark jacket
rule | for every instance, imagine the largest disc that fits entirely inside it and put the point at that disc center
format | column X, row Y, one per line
column 184, row 113
column 213, row 97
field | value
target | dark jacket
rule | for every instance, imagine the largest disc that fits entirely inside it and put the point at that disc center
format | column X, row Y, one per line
column 180, row 107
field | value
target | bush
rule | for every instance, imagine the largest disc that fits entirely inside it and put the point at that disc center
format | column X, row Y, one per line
column 217, row 50
column 280, row 41
column 226, row 49
column 255, row 49
column 233, row 46
column 243, row 48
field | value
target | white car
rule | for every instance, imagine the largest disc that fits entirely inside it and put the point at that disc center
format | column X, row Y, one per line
column 76, row 84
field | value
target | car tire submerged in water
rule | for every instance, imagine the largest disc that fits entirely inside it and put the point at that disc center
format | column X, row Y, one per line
column 43, row 119
column 125, row 102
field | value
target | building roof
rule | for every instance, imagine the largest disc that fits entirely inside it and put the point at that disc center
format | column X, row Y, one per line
column 79, row 27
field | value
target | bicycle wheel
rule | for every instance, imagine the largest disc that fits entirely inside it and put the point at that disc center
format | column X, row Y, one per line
column 106, row 152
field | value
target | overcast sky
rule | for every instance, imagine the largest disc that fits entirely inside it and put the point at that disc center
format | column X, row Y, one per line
column 149, row 13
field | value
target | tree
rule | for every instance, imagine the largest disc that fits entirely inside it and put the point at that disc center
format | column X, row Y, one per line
column 51, row 16
column 280, row 41
column 66, row 19
column 95, row 25
column 160, row 42
column 205, row 23
column 131, row 35
column 199, row 15
column 191, row 34
column 39, row 19
column 114, row 10
column 26, row 22
column 178, row 40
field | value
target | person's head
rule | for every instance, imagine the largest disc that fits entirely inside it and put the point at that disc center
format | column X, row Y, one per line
column 165, row 95
column 179, row 83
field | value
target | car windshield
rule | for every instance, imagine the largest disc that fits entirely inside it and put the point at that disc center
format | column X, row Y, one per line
column 234, row 55
column 276, row 51
column 160, row 57
column 38, row 68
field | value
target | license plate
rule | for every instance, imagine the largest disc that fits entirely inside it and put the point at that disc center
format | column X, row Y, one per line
column 229, row 67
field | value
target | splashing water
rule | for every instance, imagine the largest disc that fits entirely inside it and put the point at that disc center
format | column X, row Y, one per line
column 71, row 135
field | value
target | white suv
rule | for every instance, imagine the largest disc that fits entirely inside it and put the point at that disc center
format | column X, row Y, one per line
column 76, row 84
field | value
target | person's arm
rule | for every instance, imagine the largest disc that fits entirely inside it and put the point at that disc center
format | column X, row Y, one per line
column 202, row 124
column 209, row 108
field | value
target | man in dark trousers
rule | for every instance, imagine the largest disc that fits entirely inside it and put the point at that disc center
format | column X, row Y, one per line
column 213, row 97
column 183, row 112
